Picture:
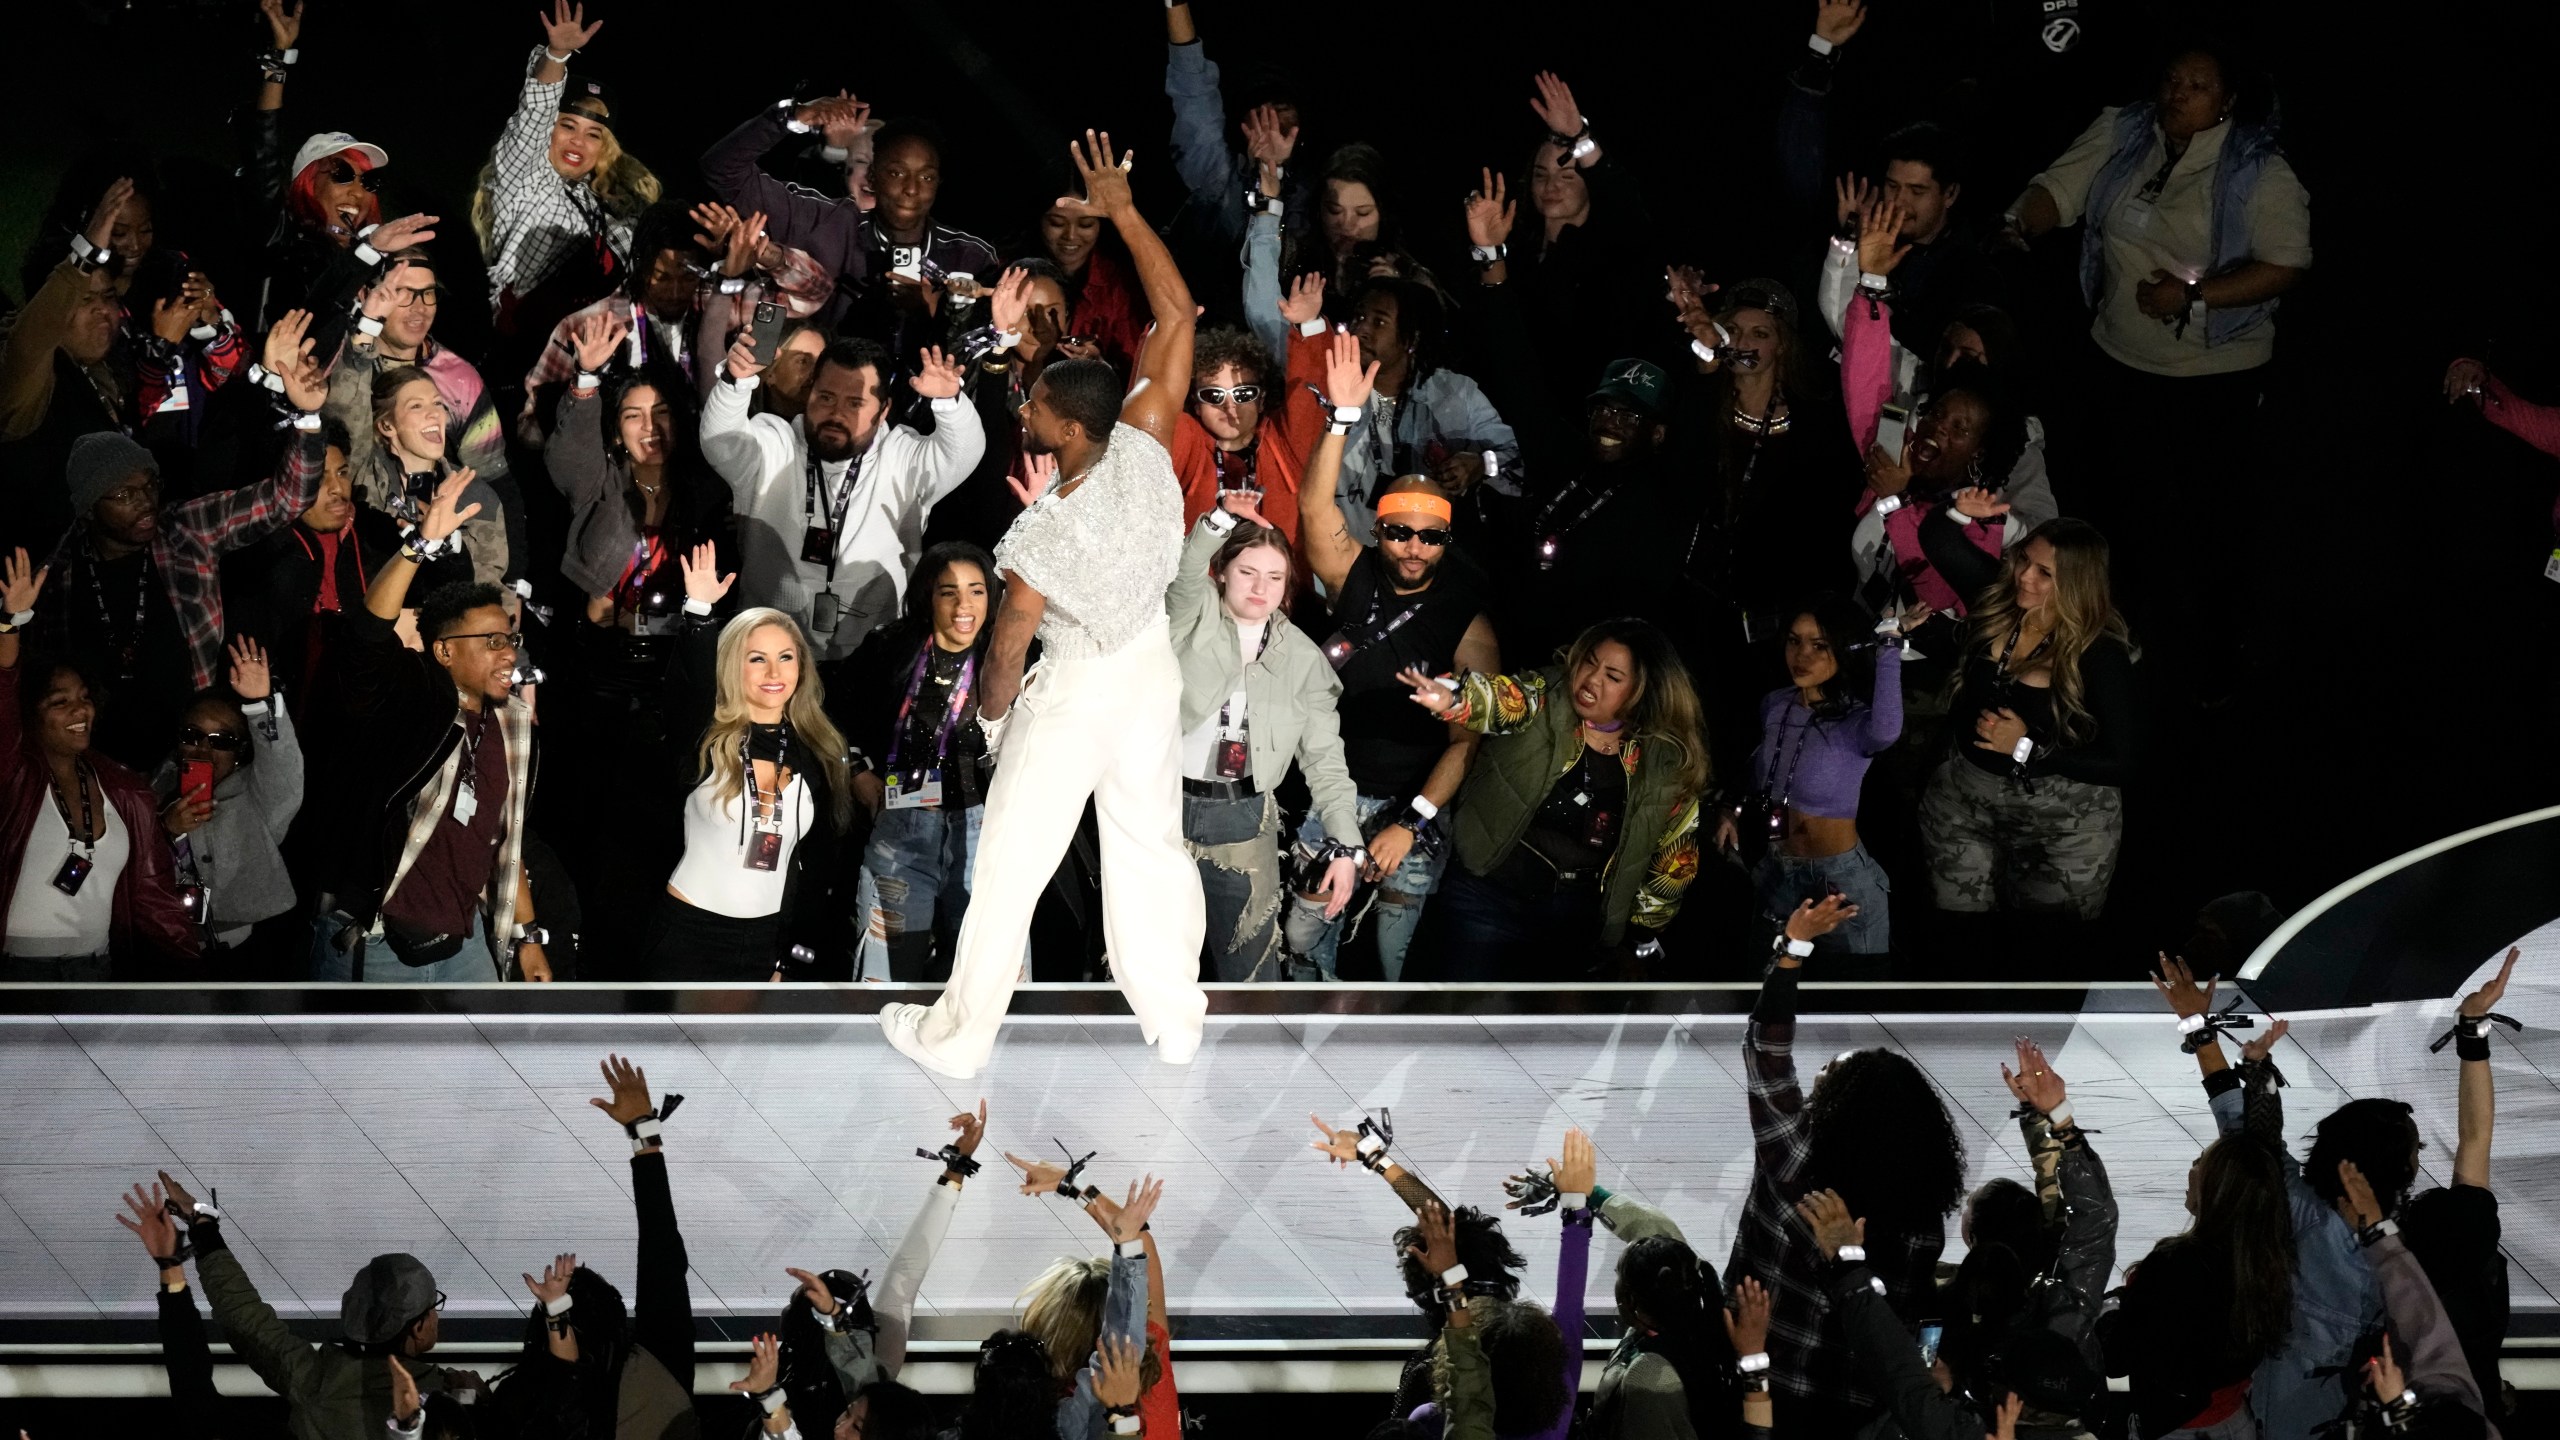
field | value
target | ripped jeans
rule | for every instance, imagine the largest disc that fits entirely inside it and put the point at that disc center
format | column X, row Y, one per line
column 1394, row 902
column 915, row 871
column 1236, row 843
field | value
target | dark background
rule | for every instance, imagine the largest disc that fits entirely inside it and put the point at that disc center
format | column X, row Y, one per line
column 2398, row 682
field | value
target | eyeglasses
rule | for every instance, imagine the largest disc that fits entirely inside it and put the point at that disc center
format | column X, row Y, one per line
column 211, row 739
column 498, row 639
column 406, row 296
column 342, row 171
column 1216, row 395
column 1402, row 533
column 140, row 492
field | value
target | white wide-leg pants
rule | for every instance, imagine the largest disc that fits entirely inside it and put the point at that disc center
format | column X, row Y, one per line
column 1104, row 728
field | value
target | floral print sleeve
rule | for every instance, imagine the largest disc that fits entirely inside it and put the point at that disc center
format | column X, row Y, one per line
column 1501, row 704
column 1675, row 864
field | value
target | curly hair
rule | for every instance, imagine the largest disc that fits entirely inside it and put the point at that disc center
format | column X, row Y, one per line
column 1222, row 345
column 1493, row 1267
column 1881, row 1136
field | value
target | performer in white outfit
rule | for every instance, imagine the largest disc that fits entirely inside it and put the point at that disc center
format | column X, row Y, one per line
column 1086, row 568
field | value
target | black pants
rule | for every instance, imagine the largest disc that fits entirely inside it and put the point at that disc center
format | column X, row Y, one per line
column 1503, row 931
column 692, row 943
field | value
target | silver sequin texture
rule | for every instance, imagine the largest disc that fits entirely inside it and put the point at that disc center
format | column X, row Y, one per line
column 1103, row 556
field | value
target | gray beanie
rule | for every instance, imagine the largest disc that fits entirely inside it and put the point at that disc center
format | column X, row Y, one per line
column 389, row 1294
column 99, row 463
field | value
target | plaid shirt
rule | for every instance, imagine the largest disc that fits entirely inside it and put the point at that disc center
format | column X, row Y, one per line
column 186, row 550
column 539, row 217
column 1775, row 1246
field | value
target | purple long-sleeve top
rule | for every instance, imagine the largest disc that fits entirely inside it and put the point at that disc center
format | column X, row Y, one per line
column 1573, row 1271
column 1824, row 780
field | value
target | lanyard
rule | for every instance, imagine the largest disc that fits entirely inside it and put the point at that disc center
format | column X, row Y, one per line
column 1761, row 429
column 106, row 618
column 646, row 556
column 747, row 775
column 1352, row 639
column 86, row 837
column 950, row 713
column 1252, row 479
column 2000, row 663
column 1803, row 733
column 2151, row 189
column 836, row 511
column 1227, row 706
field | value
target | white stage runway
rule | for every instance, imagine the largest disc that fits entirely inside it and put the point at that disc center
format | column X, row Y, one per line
column 467, row 1140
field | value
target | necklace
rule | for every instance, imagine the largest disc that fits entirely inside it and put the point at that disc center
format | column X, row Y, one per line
column 1603, row 738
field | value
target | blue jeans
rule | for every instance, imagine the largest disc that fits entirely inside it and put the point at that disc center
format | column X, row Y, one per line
column 1511, row 933
column 1236, row 845
column 1786, row 881
column 472, row 962
column 1398, row 907
column 916, row 867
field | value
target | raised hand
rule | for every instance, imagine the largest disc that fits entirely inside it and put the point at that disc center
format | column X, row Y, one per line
column 2177, row 985
column 847, row 122
column 1264, row 140
column 596, row 337
column 1305, row 300
column 702, row 578
column 1580, row 1168
column 1879, row 235
column 741, row 361
column 1849, row 196
column 566, row 31
column 1243, row 505
column 745, row 247
column 716, row 221
column 555, row 1279
column 1039, row 473
column 1554, row 104
column 177, row 1193
column 1428, row 692
column 442, row 518
column 2264, row 1044
column 150, row 1222
column 20, row 582
column 406, row 1402
column 402, row 233
column 2474, row 1005
column 1838, row 20
column 250, row 677
column 1342, row 1145
column 937, row 377
column 1009, row 302
column 2382, row 1372
column 2464, row 377
column 1489, row 212
column 972, row 1128
column 764, row 1365
column 378, row 296
column 1106, row 177
column 1438, row 1249
column 284, row 25
column 1977, row 503
column 630, row 1085
column 110, row 208
column 1347, row 382
column 1039, row 1177
column 1131, row 1216
column 1115, row 1371
column 1747, row 1323
column 2034, row 1081
column 1827, row 1216
column 2005, row 1424
column 1816, row 918
column 305, row 371
column 821, row 1299
column 2357, row 1205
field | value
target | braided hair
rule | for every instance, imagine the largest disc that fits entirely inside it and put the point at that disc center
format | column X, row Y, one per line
column 1673, row 1303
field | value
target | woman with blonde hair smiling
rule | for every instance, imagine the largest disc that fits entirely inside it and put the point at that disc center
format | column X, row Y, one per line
column 2028, row 813
column 559, row 197
column 769, row 787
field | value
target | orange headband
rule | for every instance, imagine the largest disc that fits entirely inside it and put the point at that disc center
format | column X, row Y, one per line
column 1418, row 501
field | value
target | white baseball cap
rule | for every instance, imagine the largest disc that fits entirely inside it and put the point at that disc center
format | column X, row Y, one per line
column 331, row 142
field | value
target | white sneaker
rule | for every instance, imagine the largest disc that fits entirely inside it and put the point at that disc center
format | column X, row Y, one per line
column 904, row 1025
column 1178, row 1049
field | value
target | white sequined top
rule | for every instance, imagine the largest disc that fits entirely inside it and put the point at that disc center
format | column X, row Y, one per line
column 1102, row 556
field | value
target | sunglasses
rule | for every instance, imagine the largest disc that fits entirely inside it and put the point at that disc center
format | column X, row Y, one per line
column 498, row 639
column 342, row 171
column 1215, row 395
column 212, row 739
column 1402, row 533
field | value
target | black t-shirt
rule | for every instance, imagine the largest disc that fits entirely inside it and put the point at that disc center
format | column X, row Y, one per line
column 1389, row 742
column 1576, row 827
column 2454, row 1233
column 1617, row 552
column 126, row 636
column 961, row 787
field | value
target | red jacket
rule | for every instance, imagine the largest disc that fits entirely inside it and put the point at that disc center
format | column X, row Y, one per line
column 1291, row 423
column 147, row 912
column 1112, row 311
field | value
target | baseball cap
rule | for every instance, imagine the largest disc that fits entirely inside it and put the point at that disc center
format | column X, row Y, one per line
column 331, row 142
column 1639, row 383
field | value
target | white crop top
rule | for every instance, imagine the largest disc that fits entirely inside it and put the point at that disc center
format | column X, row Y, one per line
column 713, row 874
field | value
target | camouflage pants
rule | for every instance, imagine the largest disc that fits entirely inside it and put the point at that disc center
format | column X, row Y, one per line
column 2045, row 845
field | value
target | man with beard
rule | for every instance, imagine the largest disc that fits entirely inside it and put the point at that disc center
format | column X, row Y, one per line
column 831, row 506
column 1407, row 602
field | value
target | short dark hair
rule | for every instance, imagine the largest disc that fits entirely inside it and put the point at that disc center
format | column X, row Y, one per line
column 910, row 127
column 2004, row 436
column 667, row 225
column 446, row 604
column 333, row 431
column 1925, row 142
column 898, row 1413
column 1418, row 313
column 1087, row 392
column 2382, row 1140
column 1526, row 1351
column 852, row 352
column 1039, row 267
column 1222, row 345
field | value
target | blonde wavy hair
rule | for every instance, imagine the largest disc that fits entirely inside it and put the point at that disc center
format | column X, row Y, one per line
column 623, row 185
column 725, row 736
column 1661, row 704
column 1063, row 1306
column 2084, row 613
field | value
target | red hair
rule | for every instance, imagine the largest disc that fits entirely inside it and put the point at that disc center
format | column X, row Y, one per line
column 302, row 197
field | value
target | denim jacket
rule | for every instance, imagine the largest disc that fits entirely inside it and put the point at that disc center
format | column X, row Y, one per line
column 2336, row 1300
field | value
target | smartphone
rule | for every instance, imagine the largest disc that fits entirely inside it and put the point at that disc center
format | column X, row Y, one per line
column 195, row 779
column 765, row 330
column 907, row 260
column 1892, row 423
column 1930, row 1334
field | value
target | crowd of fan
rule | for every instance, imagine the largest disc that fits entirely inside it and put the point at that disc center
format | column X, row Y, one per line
column 2307, row 1296
column 1494, row 555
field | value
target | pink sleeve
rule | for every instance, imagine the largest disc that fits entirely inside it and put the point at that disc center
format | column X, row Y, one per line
column 2536, row 425
column 1866, row 367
